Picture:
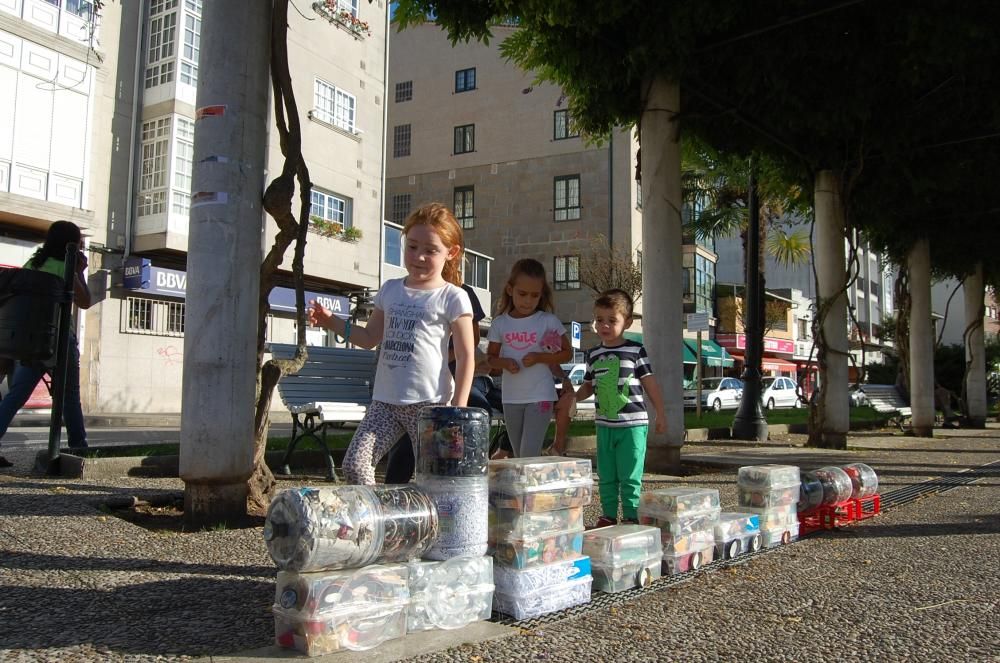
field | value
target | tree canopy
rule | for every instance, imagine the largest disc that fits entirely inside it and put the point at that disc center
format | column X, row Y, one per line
column 875, row 91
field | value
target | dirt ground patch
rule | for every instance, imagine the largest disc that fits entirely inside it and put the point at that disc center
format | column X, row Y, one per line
column 165, row 514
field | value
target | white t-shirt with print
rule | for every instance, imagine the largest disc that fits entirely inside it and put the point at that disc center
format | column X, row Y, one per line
column 413, row 358
column 539, row 332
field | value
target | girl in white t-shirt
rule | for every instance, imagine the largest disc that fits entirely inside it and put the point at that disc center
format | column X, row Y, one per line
column 525, row 340
column 413, row 318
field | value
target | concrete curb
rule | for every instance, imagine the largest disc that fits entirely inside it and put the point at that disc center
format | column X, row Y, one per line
column 78, row 467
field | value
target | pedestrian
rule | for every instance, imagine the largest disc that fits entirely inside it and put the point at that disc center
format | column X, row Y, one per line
column 564, row 410
column 413, row 318
column 51, row 258
column 400, row 462
column 526, row 339
column 620, row 376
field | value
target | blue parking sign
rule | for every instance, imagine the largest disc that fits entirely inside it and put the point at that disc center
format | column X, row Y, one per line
column 575, row 332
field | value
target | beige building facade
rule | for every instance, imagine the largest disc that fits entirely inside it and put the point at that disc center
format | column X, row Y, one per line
column 129, row 156
column 469, row 129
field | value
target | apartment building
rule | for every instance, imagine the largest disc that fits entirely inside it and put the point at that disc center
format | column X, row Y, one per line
column 469, row 129
column 101, row 132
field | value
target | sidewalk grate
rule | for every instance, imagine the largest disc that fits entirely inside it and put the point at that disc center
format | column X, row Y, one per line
column 892, row 499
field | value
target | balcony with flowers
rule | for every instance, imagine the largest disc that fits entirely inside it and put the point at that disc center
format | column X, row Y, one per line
column 340, row 15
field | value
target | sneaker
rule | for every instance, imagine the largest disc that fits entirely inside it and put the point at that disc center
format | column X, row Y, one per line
column 5, row 463
column 604, row 521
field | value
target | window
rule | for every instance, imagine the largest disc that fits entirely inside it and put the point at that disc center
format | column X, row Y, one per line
column 465, row 138
column 141, row 315
column 82, row 8
column 401, row 208
column 162, row 43
column 183, row 158
column 404, row 91
column 334, row 106
column 465, row 80
column 154, row 174
column 567, row 198
column 704, row 284
column 638, row 195
column 350, row 6
column 330, row 208
column 562, row 128
column 566, row 273
column 191, row 49
column 465, row 206
column 477, row 271
column 803, row 329
column 401, row 141
column 393, row 251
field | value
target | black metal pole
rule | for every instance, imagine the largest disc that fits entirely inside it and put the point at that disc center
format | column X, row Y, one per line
column 62, row 358
column 749, row 422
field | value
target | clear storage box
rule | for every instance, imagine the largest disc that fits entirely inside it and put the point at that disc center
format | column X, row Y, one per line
column 768, row 497
column 618, row 544
column 780, row 535
column 449, row 594
column 699, row 554
column 540, row 484
column 320, row 613
column 628, row 575
column 528, row 551
column 512, row 523
column 672, row 502
column 544, row 600
column 776, row 518
column 768, row 476
column 737, row 533
column 516, row 582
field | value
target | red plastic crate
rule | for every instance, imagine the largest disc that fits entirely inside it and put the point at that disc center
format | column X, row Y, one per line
column 838, row 515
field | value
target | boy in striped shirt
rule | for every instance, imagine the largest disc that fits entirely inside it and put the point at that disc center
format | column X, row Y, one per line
column 621, row 377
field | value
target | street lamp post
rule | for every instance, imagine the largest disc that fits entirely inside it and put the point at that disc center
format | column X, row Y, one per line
column 749, row 422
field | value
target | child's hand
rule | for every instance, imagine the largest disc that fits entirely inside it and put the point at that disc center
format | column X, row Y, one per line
column 511, row 365
column 529, row 359
column 318, row 316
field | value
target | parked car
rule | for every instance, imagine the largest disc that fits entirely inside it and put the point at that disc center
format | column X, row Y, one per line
column 575, row 373
column 778, row 391
column 716, row 393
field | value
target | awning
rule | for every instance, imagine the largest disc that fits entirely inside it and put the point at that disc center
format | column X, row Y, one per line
column 712, row 354
column 772, row 364
column 689, row 356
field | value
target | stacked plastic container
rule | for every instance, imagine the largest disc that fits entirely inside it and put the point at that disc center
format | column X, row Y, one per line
column 736, row 534
column 340, row 585
column 623, row 556
column 452, row 457
column 686, row 518
column 536, row 534
column 449, row 594
column 771, row 492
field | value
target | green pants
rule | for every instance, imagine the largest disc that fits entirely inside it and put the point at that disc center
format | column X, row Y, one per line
column 621, row 454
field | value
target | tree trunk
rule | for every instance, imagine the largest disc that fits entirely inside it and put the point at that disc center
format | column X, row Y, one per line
column 921, row 340
column 830, row 419
column 974, row 385
column 223, row 251
column 661, row 231
column 901, row 294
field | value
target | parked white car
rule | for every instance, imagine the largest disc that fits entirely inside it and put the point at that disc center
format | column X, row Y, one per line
column 575, row 373
column 779, row 392
column 716, row 393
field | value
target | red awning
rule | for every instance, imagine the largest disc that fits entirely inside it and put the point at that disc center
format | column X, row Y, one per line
column 771, row 364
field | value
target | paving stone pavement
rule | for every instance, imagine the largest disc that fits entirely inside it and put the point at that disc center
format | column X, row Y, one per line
column 917, row 583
